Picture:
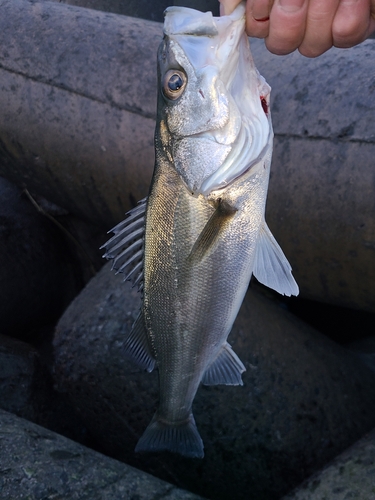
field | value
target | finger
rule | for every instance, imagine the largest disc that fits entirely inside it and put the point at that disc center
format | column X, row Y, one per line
column 318, row 34
column 228, row 6
column 257, row 17
column 287, row 25
column 352, row 23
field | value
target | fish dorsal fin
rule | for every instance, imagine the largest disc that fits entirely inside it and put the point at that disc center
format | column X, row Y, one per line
column 127, row 245
column 271, row 267
column 136, row 345
column 212, row 231
column 225, row 369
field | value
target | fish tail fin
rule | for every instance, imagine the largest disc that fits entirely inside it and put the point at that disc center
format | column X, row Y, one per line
column 182, row 438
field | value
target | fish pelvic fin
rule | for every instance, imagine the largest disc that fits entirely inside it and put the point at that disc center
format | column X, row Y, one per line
column 271, row 267
column 136, row 345
column 126, row 247
column 182, row 438
column 226, row 369
column 212, row 231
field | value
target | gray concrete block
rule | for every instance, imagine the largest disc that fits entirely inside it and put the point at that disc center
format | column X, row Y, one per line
column 321, row 198
column 36, row 463
column 77, row 124
column 350, row 475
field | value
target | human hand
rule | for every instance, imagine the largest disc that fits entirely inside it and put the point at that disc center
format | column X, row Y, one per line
column 311, row 26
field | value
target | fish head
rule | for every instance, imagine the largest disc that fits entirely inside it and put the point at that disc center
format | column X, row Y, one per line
column 213, row 106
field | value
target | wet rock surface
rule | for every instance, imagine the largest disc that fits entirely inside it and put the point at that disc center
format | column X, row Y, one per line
column 37, row 463
column 303, row 401
column 350, row 475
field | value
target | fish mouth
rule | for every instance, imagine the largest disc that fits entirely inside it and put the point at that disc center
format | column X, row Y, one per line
column 185, row 21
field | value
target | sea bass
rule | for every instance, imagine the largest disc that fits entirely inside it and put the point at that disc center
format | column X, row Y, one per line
column 194, row 243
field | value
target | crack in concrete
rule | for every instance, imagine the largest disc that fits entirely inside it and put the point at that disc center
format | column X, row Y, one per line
column 333, row 138
column 130, row 109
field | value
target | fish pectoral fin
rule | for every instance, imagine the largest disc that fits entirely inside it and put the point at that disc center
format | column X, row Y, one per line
column 136, row 345
column 226, row 369
column 271, row 267
column 180, row 437
column 212, row 230
column 126, row 246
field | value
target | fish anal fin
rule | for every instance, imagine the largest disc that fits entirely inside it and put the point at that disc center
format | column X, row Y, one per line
column 136, row 345
column 225, row 369
column 179, row 437
column 271, row 267
column 212, row 230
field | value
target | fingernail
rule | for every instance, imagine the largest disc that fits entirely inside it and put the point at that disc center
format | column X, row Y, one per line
column 291, row 5
column 260, row 11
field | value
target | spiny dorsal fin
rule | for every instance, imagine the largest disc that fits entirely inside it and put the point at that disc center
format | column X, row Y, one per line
column 226, row 369
column 212, row 230
column 136, row 345
column 126, row 247
column 271, row 267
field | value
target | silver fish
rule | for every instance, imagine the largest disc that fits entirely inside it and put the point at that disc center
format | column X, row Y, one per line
column 194, row 243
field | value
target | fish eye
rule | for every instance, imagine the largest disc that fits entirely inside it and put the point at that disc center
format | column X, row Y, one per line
column 174, row 83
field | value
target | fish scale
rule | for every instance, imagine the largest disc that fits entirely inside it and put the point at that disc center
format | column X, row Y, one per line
column 204, row 231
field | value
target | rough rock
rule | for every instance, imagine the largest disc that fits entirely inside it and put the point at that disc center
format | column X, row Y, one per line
column 39, row 275
column 350, row 475
column 304, row 398
column 36, row 463
column 77, row 128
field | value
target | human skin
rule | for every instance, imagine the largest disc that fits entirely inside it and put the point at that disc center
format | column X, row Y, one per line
column 311, row 26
